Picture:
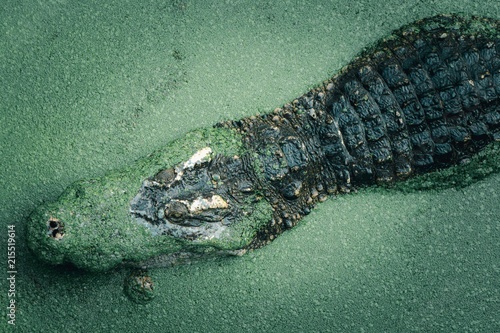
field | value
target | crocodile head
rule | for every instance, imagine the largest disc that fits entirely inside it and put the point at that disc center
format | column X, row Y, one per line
column 198, row 199
column 210, row 203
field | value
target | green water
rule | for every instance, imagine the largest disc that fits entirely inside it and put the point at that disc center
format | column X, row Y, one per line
column 90, row 86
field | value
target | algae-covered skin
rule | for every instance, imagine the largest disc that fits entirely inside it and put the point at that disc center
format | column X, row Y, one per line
column 424, row 99
column 91, row 225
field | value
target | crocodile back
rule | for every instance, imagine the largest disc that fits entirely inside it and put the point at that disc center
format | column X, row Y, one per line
column 426, row 97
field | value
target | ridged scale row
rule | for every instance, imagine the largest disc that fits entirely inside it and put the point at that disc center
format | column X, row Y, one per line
column 427, row 97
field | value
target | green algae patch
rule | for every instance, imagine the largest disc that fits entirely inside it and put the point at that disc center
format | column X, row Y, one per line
column 478, row 167
column 90, row 225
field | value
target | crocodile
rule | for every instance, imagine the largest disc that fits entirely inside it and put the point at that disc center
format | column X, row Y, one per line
column 423, row 99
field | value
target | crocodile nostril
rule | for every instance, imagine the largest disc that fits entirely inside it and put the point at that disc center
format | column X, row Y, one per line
column 55, row 228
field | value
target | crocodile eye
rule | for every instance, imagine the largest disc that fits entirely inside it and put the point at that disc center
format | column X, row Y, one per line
column 175, row 211
column 165, row 176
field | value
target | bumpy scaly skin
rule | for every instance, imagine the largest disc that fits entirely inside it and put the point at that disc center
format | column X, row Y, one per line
column 427, row 97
